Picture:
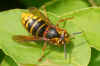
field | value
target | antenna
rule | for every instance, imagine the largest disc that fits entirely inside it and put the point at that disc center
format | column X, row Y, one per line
column 76, row 33
column 65, row 52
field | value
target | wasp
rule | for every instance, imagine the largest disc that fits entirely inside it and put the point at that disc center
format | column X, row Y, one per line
column 39, row 25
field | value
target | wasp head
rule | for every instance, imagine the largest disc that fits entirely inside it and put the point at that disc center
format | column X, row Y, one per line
column 63, row 38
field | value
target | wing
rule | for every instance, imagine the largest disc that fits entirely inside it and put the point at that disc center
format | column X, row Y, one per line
column 22, row 38
column 36, row 12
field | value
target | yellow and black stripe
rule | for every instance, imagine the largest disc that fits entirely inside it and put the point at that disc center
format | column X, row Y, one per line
column 35, row 25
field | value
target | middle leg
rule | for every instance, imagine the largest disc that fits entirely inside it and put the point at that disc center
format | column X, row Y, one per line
column 43, row 51
column 62, row 20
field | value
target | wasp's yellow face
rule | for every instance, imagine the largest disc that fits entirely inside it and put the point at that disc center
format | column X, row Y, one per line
column 64, row 38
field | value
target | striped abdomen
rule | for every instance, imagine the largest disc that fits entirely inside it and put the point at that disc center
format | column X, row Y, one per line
column 35, row 25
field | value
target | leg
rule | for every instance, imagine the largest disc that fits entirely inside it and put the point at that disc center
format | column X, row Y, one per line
column 65, row 52
column 45, row 14
column 49, row 3
column 62, row 20
column 45, row 11
column 43, row 49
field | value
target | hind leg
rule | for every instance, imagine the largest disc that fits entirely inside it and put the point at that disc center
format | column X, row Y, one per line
column 45, row 11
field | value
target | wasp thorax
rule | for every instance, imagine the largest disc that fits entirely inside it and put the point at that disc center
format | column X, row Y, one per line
column 52, row 33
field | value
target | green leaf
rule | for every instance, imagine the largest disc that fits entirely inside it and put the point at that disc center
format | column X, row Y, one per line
column 28, row 53
column 1, row 55
column 88, row 21
column 64, row 6
column 7, row 61
column 28, row 65
column 95, row 58
column 57, row 6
